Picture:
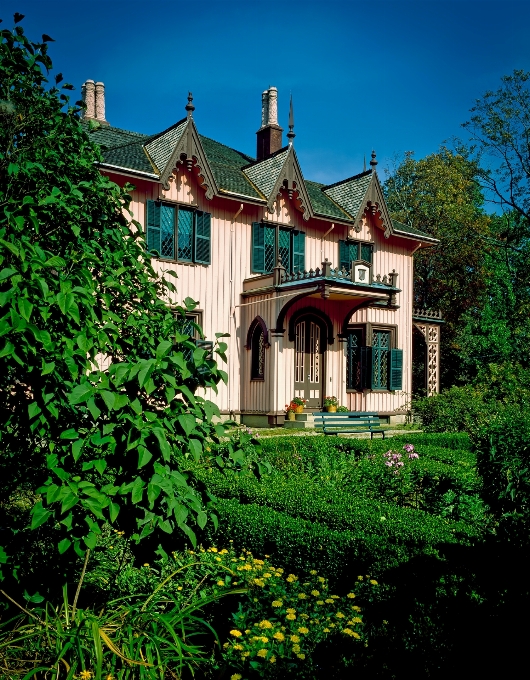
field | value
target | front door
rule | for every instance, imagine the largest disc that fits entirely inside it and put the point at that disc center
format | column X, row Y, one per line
column 309, row 364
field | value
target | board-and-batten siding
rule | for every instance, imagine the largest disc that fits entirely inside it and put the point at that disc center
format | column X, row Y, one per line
column 218, row 286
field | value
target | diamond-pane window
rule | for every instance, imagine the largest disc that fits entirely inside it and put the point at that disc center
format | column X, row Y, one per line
column 353, row 359
column 284, row 248
column 185, row 234
column 270, row 248
column 380, row 356
column 167, row 232
column 366, row 252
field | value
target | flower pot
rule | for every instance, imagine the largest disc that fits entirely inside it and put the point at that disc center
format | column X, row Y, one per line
column 330, row 409
column 299, row 409
column 291, row 415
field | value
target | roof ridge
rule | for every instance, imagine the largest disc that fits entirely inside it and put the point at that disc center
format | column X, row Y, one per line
column 112, row 128
column 171, row 127
column 348, row 179
column 264, row 160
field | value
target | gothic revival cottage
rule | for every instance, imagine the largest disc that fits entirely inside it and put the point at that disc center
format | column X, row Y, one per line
column 313, row 282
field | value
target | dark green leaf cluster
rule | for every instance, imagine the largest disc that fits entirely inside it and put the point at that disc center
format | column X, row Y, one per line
column 98, row 388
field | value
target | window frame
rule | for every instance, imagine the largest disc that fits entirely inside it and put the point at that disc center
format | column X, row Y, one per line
column 359, row 243
column 177, row 207
column 368, row 330
column 291, row 231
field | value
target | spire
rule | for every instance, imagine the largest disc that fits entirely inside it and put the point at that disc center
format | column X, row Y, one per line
column 291, row 135
column 189, row 106
column 373, row 162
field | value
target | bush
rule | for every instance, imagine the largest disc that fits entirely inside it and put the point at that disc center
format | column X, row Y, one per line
column 458, row 409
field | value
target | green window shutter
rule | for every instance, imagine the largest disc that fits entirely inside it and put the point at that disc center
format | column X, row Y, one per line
column 203, row 229
column 258, row 248
column 298, row 251
column 396, row 369
column 366, row 368
column 367, row 250
column 153, row 226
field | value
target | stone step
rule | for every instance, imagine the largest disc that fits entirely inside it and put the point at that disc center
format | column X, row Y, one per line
column 303, row 420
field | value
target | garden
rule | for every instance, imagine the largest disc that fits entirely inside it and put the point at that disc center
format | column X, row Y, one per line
column 141, row 537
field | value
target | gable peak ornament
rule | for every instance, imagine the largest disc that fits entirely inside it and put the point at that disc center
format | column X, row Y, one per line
column 189, row 106
column 373, row 162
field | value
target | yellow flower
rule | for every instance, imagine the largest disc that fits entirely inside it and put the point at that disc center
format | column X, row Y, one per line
column 347, row 631
column 224, row 551
column 313, row 572
column 245, row 654
column 320, row 601
column 330, row 601
column 291, row 617
column 264, row 639
column 220, row 583
column 315, row 593
column 179, row 588
column 145, row 565
column 262, row 653
column 321, row 579
column 304, row 616
column 259, row 582
column 335, row 597
column 110, row 677
column 359, row 578
column 385, row 622
column 236, row 633
column 359, row 620
column 236, row 676
column 303, row 630
column 356, row 609
column 279, row 636
column 279, row 571
column 350, row 595
column 85, row 675
column 238, row 647
column 267, row 575
column 218, row 559
column 339, row 615
column 265, row 624
column 213, row 549
column 327, row 630
column 291, row 610
column 373, row 582
column 292, row 578
column 272, row 659
column 226, row 644
column 247, row 631
column 301, row 656
column 277, row 603
column 296, row 648
column 302, row 596
column 295, row 638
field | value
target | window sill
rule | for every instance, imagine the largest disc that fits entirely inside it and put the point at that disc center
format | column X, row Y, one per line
column 183, row 262
column 257, row 380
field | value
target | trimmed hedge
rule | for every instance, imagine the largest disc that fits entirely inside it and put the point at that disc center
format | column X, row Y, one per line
column 372, row 546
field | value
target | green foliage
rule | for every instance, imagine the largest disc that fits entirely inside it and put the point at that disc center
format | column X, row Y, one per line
column 458, row 409
column 82, row 446
column 503, row 450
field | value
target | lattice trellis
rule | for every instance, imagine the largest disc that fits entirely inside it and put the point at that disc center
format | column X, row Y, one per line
column 431, row 333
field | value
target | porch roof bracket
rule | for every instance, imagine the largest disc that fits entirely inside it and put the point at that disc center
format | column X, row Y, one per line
column 283, row 311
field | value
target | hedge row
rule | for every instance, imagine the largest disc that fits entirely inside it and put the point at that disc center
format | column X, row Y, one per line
column 300, row 545
column 339, row 511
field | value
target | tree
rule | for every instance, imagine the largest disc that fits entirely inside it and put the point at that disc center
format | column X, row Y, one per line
column 440, row 195
column 82, row 446
column 500, row 133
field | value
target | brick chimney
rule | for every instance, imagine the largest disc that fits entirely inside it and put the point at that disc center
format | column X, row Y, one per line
column 269, row 136
column 94, row 98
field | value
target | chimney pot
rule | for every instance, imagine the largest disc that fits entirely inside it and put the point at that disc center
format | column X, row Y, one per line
column 100, row 102
column 89, row 97
column 269, row 136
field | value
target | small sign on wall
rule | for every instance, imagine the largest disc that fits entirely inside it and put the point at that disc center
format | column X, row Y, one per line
column 361, row 273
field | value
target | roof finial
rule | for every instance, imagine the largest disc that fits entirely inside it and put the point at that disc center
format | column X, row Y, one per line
column 189, row 106
column 291, row 135
column 373, row 162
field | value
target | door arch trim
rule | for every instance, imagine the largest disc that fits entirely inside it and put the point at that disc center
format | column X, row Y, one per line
column 322, row 317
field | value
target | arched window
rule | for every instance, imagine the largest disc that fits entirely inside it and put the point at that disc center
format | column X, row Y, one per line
column 258, row 354
column 257, row 342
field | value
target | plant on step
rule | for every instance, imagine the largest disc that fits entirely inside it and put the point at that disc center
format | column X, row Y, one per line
column 299, row 401
column 331, row 401
column 342, row 409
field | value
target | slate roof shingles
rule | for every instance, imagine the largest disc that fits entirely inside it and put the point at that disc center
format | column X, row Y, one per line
column 237, row 172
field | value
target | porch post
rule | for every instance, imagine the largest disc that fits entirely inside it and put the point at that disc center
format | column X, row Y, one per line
column 277, row 375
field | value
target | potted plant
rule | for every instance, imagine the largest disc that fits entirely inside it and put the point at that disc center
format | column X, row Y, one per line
column 299, row 403
column 290, row 411
column 330, row 404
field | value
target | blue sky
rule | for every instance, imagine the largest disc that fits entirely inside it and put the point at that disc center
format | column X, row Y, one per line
column 391, row 75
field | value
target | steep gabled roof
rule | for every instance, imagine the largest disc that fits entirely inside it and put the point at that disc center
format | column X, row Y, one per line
column 350, row 193
column 226, row 170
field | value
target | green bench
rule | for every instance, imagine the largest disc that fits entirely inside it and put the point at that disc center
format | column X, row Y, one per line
column 349, row 422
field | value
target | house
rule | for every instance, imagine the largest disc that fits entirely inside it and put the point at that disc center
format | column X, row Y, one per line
column 312, row 282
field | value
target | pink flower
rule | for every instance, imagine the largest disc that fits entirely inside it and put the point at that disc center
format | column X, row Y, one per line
column 389, row 463
column 413, row 455
column 409, row 448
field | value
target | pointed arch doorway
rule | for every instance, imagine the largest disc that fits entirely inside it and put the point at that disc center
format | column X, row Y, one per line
column 310, row 340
